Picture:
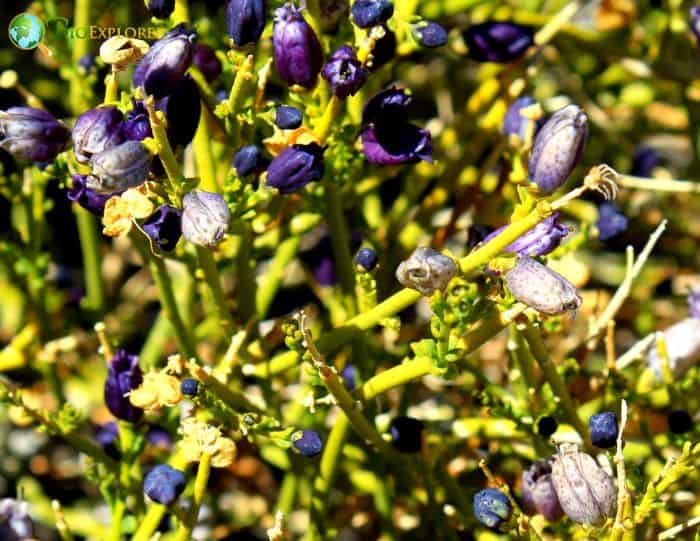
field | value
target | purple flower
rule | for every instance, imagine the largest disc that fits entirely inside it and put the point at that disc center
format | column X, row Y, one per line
column 107, row 436
column 298, row 54
column 161, row 9
column 539, row 495
column 516, row 124
column 539, row 241
column 123, row 375
column 644, row 161
column 245, row 21
column 32, row 134
column 87, row 198
column 344, row 72
column 166, row 62
column 694, row 303
column 97, row 130
column 500, row 42
column 119, row 168
column 164, row 227
column 205, row 218
column 204, row 57
column 369, row 13
column 387, row 138
column 558, row 148
column 430, row 34
column 611, row 222
column 695, row 20
column 295, row 167
column 248, row 161
column 182, row 109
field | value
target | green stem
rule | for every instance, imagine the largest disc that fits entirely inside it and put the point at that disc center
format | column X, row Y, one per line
column 340, row 243
column 90, row 246
column 270, row 283
column 246, row 274
column 213, row 280
column 81, row 19
column 165, row 151
column 287, row 492
column 203, row 156
column 200, row 487
column 327, row 121
column 117, row 516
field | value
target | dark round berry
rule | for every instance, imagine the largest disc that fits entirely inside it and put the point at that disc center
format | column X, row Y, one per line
column 163, row 484
column 249, row 160
column 491, row 507
column 189, row 387
column 603, row 427
column 406, row 434
column 430, row 35
column 349, row 375
column 288, row 117
column 680, row 421
column 367, row 259
column 547, row 426
column 307, row 442
column 368, row 13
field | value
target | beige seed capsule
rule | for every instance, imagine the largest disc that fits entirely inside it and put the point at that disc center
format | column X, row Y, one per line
column 586, row 493
column 426, row 271
column 682, row 346
column 541, row 288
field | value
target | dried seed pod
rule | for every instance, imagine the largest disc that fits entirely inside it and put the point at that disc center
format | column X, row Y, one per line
column 587, row 494
column 120, row 51
column 558, row 148
column 118, row 168
column 541, row 288
column 682, row 346
column 205, row 218
column 426, row 271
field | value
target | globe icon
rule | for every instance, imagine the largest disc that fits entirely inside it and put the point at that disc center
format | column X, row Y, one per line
column 26, row 31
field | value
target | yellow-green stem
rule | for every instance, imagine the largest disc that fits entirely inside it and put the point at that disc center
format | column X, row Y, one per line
column 200, row 487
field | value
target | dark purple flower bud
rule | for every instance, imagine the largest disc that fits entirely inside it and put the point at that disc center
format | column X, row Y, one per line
column 694, row 303
column 324, row 272
column 189, row 387
column 644, row 161
column 107, row 436
column 611, row 222
column 679, row 421
column 368, row 13
column 540, row 240
column 307, row 442
column 603, row 429
column 430, row 34
column 288, row 117
column 695, row 20
column 164, row 484
column 349, row 375
column 15, row 522
column 245, row 20
column 166, row 62
column 558, row 148
column 87, row 198
column 87, row 62
column 119, row 168
column 97, row 130
column 32, row 134
column 491, row 507
column 406, row 434
column 344, row 72
column 204, row 57
column 161, row 9
column 123, row 375
column 298, row 54
column 367, row 259
column 249, row 161
column 221, row 95
column 384, row 49
column 497, row 41
column 182, row 109
column 159, row 437
column 516, row 124
column 205, row 218
column 295, row 167
column 164, row 226
column 137, row 127
column 539, row 495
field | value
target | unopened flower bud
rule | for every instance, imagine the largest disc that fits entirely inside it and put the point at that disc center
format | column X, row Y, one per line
column 245, row 21
column 586, row 492
column 539, row 495
column 205, row 218
column 166, row 62
column 499, row 42
column 682, row 342
column 295, row 167
column 161, row 9
column 249, row 160
column 182, row 109
column 368, row 13
column 31, row 134
column 603, row 429
column 123, row 376
column 298, row 54
column 120, row 167
column 406, row 434
column 366, row 259
column 204, row 57
column 644, row 161
column 164, row 484
column 426, row 271
column 611, row 222
column 344, row 72
column 516, row 123
column 288, row 117
column 541, row 288
column 558, row 148
column 540, row 240
column 430, row 34
column 164, row 227
column 120, row 51
column 492, row 507
column 97, row 130
column 307, row 442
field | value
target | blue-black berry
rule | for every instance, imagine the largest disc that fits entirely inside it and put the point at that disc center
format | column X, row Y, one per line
column 406, row 434
column 603, row 427
column 307, row 442
column 680, row 421
column 367, row 259
column 288, row 117
column 163, row 484
column 189, row 387
column 546, row 426
column 491, row 507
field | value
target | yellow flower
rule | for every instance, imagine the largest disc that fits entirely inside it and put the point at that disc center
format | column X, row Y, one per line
column 122, row 210
column 199, row 437
column 157, row 390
